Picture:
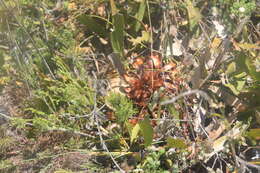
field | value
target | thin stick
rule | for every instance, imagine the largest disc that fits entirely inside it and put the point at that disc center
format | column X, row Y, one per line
column 247, row 163
column 196, row 91
column 99, row 131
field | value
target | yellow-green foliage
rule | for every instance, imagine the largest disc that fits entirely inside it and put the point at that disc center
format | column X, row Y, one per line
column 122, row 106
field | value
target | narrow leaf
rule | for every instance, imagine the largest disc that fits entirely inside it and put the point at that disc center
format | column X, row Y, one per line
column 117, row 36
column 134, row 132
column 231, row 68
column 252, row 70
column 147, row 131
column 248, row 46
column 140, row 14
column 113, row 7
column 193, row 13
column 254, row 133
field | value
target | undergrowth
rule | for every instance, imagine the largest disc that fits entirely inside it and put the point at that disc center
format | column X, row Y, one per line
column 130, row 86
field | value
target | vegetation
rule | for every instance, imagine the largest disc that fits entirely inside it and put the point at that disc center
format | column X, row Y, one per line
column 129, row 86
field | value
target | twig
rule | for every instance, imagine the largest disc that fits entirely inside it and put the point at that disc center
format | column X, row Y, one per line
column 247, row 163
column 174, row 99
column 9, row 118
column 99, row 131
column 72, row 131
column 5, row 116
column 53, row 129
column 116, row 62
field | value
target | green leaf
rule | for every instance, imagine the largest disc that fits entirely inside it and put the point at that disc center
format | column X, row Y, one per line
column 19, row 122
column 231, row 68
column 252, row 70
column 240, row 85
column 217, row 115
column 147, row 131
column 122, row 106
column 42, row 123
column 240, row 62
column 193, row 13
column 248, row 46
column 140, row 14
column 117, row 36
column 144, row 38
column 2, row 60
column 92, row 25
column 134, row 132
column 233, row 88
column 176, row 143
column 241, row 75
column 254, row 133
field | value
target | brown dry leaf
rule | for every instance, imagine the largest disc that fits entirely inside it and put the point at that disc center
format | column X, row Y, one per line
column 156, row 61
column 137, row 93
column 148, row 79
column 72, row 6
column 169, row 66
column 133, row 81
column 214, row 134
column 170, row 86
column 101, row 11
column 116, row 84
column 82, row 50
column 138, row 62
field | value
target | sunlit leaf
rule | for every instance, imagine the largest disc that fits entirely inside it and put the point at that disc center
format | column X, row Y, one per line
column 147, row 131
column 240, row 75
column 176, row 143
column 144, row 38
column 232, row 88
column 218, row 144
column 255, row 162
column 248, row 46
column 231, row 68
column 215, row 43
column 134, row 132
column 254, row 133
column 63, row 171
column 240, row 85
column 217, row 115
column 194, row 14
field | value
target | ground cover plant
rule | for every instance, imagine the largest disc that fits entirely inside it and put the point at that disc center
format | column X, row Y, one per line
column 129, row 86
